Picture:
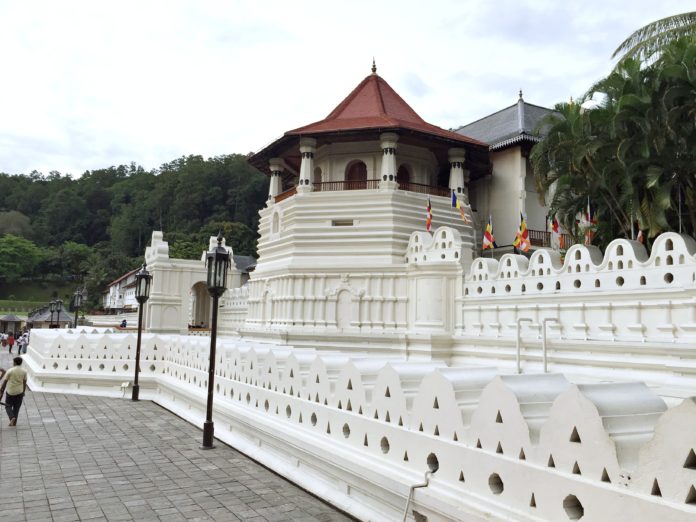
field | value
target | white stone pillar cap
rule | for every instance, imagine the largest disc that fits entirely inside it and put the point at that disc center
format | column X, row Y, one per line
column 275, row 164
column 308, row 144
column 389, row 137
column 456, row 154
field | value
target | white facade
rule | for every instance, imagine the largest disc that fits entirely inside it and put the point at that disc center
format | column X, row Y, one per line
column 120, row 295
column 364, row 351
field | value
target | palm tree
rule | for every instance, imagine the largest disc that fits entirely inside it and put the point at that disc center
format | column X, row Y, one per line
column 649, row 41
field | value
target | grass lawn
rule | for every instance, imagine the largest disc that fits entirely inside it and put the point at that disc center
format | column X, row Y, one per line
column 39, row 291
column 23, row 296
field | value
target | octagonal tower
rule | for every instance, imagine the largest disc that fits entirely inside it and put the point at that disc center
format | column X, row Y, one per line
column 345, row 196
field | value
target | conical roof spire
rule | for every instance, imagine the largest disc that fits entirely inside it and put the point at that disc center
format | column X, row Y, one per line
column 374, row 66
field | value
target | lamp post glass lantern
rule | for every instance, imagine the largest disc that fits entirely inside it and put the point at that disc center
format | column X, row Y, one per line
column 142, row 294
column 77, row 303
column 52, row 308
column 218, row 262
column 59, row 307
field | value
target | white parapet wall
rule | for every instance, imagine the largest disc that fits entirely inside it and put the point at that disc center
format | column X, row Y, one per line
column 359, row 432
column 623, row 314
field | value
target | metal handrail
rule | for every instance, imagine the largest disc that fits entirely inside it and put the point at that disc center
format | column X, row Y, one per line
column 543, row 339
column 520, row 320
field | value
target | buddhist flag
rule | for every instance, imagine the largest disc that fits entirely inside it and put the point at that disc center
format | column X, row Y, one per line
column 589, row 223
column 556, row 231
column 428, row 216
column 640, row 238
column 458, row 205
column 521, row 241
column 488, row 237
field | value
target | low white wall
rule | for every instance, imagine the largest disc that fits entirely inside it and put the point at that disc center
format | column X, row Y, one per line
column 359, row 432
column 623, row 295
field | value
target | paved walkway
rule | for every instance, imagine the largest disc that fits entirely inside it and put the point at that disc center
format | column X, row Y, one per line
column 74, row 457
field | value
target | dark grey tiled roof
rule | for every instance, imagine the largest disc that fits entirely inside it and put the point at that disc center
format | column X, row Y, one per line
column 507, row 126
column 12, row 318
column 66, row 316
column 244, row 263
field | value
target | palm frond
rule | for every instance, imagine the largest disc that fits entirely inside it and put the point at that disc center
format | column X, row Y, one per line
column 634, row 45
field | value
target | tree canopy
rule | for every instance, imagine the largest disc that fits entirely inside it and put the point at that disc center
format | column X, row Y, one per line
column 633, row 156
column 95, row 227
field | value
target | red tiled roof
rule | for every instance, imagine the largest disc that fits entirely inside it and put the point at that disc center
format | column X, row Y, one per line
column 373, row 104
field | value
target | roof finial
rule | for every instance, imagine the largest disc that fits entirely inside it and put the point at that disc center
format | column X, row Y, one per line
column 520, row 94
column 374, row 67
column 571, row 100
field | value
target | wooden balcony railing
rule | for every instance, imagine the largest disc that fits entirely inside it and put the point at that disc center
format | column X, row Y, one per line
column 542, row 238
column 331, row 186
column 425, row 189
column 285, row 195
column 335, row 186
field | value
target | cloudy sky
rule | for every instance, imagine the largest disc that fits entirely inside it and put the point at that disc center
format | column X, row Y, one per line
column 90, row 84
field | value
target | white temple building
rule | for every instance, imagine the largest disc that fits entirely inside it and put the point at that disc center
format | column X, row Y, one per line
column 394, row 373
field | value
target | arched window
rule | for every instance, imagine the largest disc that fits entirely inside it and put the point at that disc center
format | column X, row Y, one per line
column 356, row 176
column 403, row 175
column 317, row 175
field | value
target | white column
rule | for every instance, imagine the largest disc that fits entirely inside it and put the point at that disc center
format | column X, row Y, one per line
column 456, row 179
column 387, row 177
column 276, row 185
column 308, row 147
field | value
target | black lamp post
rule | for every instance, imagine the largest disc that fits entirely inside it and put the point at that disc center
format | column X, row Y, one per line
column 52, row 308
column 59, row 307
column 77, row 303
column 142, row 294
column 218, row 262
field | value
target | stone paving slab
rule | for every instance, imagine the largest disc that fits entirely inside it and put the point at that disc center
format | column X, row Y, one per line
column 74, row 458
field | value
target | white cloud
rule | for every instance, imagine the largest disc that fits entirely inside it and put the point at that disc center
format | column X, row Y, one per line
column 92, row 84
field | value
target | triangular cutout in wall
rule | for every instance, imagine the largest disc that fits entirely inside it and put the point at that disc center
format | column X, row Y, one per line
column 691, row 496
column 690, row 462
column 656, row 489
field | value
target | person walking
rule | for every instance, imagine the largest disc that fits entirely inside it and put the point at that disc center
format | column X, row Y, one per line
column 15, row 380
column 10, row 341
column 22, row 343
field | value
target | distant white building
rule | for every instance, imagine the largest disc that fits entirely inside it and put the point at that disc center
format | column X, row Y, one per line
column 120, row 294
